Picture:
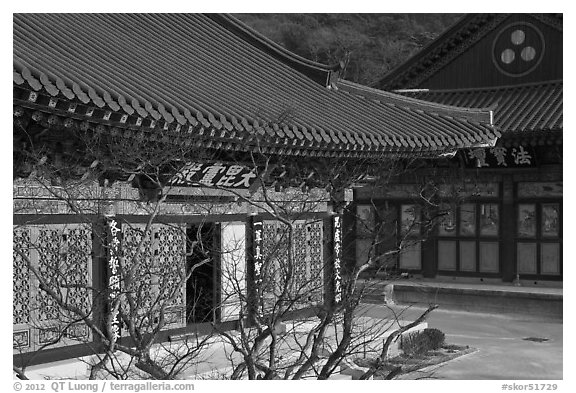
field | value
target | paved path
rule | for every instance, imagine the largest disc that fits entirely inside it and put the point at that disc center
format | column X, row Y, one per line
column 502, row 352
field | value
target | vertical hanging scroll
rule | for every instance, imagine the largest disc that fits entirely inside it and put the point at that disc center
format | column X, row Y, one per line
column 337, row 259
column 257, row 243
column 113, row 275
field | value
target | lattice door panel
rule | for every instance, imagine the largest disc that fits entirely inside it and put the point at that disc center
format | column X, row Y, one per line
column 138, row 269
column 157, row 277
column 315, row 259
column 301, row 274
column 61, row 254
column 275, row 258
column 170, row 253
column 307, row 283
column 21, row 288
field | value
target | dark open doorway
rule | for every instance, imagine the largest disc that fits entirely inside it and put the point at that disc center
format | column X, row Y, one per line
column 202, row 285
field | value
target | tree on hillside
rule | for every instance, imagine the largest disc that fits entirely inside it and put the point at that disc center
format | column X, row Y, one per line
column 371, row 44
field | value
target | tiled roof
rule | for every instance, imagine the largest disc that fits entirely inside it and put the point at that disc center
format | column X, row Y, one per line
column 521, row 108
column 210, row 75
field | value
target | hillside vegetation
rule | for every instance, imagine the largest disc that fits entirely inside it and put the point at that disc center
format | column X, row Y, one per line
column 373, row 43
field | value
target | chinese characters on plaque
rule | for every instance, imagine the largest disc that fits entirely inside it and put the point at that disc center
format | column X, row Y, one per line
column 214, row 175
column 114, row 277
column 258, row 258
column 500, row 157
column 337, row 259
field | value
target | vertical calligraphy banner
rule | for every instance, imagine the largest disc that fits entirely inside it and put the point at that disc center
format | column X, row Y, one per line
column 337, row 252
column 258, row 260
column 113, row 276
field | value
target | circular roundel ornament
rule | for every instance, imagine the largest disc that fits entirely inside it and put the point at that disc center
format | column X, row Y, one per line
column 518, row 49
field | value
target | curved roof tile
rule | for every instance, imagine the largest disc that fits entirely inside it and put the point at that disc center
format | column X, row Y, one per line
column 520, row 108
column 193, row 69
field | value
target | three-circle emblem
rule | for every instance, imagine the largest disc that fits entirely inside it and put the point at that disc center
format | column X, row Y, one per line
column 518, row 49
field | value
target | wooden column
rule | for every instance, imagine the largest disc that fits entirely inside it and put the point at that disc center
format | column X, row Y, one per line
column 99, row 267
column 429, row 262
column 328, row 234
column 334, row 230
column 254, row 232
column 508, row 228
column 349, row 238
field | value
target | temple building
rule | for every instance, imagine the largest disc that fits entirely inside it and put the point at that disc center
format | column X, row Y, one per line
column 502, row 210
column 213, row 120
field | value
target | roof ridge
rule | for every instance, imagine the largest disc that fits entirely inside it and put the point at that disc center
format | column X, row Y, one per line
column 471, row 89
column 407, row 99
column 308, row 67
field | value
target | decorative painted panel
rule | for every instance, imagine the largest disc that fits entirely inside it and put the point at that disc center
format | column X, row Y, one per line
column 447, row 225
column 469, row 190
column 540, row 189
column 54, row 333
column 21, row 340
column 550, row 220
column 468, row 219
column 410, row 220
column 365, row 221
column 489, row 219
column 527, row 220
column 390, row 191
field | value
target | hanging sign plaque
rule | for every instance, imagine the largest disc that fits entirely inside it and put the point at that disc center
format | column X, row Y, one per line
column 214, row 175
column 500, row 157
column 113, row 231
column 337, row 259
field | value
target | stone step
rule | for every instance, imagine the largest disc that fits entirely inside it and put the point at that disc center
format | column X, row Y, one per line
column 469, row 297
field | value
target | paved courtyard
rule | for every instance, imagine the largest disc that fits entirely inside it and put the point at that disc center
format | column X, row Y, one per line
column 502, row 351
